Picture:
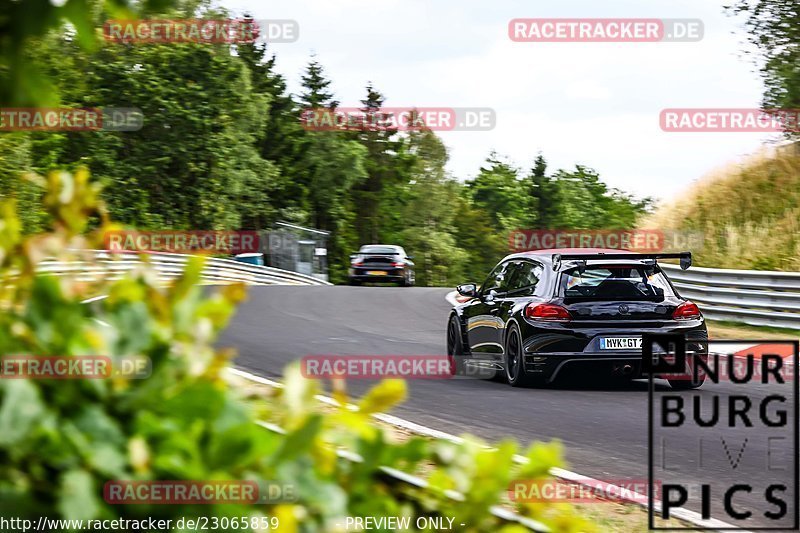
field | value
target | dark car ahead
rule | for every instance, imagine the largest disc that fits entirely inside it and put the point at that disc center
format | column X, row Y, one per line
column 383, row 263
column 540, row 314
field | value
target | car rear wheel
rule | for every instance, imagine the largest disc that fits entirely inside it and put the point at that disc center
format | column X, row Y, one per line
column 408, row 280
column 516, row 374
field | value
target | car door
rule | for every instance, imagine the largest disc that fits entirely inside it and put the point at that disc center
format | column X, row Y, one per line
column 522, row 288
column 482, row 314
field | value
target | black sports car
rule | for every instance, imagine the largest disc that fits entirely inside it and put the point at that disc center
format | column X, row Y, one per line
column 540, row 314
column 381, row 263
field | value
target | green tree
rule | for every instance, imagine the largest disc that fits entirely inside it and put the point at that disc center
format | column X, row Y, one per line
column 282, row 139
column 316, row 92
column 586, row 202
column 774, row 28
column 500, row 192
column 544, row 196
column 428, row 230
column 331, row 166
column 194, row 163
column 387, row 169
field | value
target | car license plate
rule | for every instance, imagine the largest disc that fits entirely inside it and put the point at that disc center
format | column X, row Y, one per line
column 620, row 343
column 376, row 273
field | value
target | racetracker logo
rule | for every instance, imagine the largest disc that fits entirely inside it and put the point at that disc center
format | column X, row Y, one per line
column 730, row 120
column 378, row 366
column 585, row 30
column 584, row 491
column 71, row 119
column 636, row 240
column 199, row 241
column 208, row 31
column 393, row 366
column 180, row 492
column 399, row 119
column 73, row 367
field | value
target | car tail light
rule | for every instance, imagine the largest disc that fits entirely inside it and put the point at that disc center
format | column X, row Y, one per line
column 397, row 264
column 686, row 311
column 357, row 262
column 547, row 312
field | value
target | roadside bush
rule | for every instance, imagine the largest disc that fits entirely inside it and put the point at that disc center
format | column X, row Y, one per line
column 62, row 440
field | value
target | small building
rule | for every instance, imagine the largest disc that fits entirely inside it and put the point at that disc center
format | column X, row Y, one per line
column 297, row 248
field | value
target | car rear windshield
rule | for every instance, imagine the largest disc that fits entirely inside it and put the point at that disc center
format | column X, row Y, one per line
column 617, row 282
column 379, row 250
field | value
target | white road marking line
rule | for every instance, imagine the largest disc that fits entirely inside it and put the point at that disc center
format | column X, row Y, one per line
column 89, row 300
column 96, row 298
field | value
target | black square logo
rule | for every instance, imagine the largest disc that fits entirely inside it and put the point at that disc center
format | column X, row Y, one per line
column 670, row 358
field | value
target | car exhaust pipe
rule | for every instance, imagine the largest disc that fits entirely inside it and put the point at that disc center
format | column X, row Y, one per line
column 627, row 369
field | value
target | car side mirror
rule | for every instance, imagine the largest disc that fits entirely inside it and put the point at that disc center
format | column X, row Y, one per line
column 409, row 257
column 353, row 256
column 468, row 289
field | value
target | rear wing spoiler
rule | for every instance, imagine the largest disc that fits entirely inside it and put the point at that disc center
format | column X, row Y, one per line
column 685, row 258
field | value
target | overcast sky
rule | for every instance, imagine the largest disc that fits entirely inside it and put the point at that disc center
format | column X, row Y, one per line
column 595, row 104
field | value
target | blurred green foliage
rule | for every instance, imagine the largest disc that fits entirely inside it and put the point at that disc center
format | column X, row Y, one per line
column 62, row 440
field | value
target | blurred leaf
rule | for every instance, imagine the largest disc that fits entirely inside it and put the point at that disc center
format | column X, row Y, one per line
column 20, row 410
column 383, row 396
column 77, row 496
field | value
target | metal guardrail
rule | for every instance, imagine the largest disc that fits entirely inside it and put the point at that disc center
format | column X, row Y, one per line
column 759, row 298
column 111, row 266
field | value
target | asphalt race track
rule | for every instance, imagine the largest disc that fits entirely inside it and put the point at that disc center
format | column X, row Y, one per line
column 602, row 424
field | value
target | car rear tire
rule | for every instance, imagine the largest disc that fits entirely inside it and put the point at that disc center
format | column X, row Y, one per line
column 516, row 375
column 407, row 281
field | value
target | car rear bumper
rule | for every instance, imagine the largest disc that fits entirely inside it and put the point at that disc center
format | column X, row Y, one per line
column 392, row 274
column 549, row 366
column 377, row 278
